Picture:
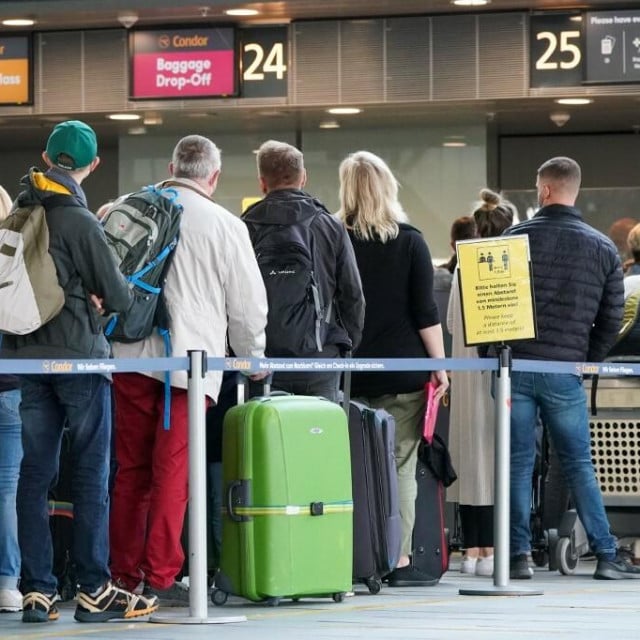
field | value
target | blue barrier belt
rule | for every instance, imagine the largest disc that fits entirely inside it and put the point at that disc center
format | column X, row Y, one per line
column 362, row 365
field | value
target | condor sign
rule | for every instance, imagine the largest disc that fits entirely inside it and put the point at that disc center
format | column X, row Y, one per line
column 183, row 63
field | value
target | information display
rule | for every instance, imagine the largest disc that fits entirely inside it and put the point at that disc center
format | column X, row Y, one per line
column 613, row 46
column 183, row 63
column 496, row 290
column 15, row 70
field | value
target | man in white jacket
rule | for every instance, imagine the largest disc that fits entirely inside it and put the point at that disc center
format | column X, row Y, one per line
column 213, row 289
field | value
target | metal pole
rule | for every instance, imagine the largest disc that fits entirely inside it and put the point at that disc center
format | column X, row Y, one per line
column 197, row 501
column 197, row 488
column 502, row 473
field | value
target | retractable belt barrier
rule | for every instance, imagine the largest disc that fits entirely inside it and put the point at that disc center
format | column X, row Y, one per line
column 197, row 364
column 361, row 365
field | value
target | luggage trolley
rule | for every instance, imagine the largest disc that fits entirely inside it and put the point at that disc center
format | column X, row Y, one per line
column 615, row 450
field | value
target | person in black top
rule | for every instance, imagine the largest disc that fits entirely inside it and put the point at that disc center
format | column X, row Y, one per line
column 401, row 321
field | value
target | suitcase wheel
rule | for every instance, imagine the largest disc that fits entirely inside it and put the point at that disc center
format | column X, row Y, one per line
column 339, row 597
column 374, row 585
column 272, row 602
column 540, row 557
column 219, row 597
column 566, row 557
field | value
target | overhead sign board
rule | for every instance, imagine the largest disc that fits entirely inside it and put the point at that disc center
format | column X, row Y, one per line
column 183, row 63
column 556, row 58
column 496, row 290
column 613, row 46
column 264, row 62
column 15, row 70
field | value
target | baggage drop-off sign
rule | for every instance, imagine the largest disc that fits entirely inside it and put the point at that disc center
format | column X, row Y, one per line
column 496, row 290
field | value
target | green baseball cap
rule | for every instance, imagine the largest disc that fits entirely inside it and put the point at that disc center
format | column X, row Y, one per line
column 72, row 145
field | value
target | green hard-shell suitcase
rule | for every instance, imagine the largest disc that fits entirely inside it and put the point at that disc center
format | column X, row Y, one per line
column 287, row 526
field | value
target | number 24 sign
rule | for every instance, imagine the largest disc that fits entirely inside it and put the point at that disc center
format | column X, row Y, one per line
column 264, row 62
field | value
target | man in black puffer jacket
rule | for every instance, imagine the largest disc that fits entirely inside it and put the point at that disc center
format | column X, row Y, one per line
column 577, row 279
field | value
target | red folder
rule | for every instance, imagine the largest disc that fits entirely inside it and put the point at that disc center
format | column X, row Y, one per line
column 431, row 411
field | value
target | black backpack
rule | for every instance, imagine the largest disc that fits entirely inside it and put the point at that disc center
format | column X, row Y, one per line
column 296, row 325
column 142, row 231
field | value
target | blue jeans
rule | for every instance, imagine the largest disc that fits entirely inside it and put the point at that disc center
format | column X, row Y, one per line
column 563, row 408
column 10, row 457
column 84, row 403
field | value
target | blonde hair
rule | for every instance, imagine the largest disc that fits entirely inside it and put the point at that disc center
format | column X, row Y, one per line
column 633, row 240
column 5, row 203
column 369, row 197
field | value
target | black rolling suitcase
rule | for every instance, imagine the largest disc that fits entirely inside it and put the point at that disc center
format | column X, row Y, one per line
column 433, row 474
column 376, row 512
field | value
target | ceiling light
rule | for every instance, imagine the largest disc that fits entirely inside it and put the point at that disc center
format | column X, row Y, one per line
column 454, row 141
column 469, row 3
column 152, row 121
column 329, row 124
column 344, row 111
column 18, row 22
column 241, row 13
column 137, row 131
column 123, row 116
column 574, row 101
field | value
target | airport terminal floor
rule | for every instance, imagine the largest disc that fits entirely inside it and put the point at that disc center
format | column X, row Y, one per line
column 574, row 606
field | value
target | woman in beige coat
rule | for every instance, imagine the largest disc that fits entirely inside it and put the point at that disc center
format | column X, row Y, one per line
column 471, row 436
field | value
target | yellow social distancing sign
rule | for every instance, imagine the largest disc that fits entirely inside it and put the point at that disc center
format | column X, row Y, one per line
column 496, row 289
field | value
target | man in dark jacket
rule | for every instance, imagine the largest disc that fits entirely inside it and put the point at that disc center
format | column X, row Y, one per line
column 92, row 283
column 316, row 304
column 577, row 280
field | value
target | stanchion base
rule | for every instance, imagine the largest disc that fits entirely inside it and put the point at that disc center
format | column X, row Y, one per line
column 187, row 620
column 501, row 591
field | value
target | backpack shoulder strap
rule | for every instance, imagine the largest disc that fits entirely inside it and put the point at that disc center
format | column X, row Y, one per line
column 175, row 183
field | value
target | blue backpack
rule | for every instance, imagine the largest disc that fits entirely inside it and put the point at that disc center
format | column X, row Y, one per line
column 142, row 231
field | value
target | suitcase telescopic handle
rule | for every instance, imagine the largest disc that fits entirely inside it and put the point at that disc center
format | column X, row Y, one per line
column 242, row 381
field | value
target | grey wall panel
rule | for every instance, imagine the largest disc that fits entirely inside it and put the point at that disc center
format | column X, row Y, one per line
column 454, row 57
column 502, row 56
column 362, row 60
column 408, row 56
column 106, row 85
column 61, row 63
column 316, row 63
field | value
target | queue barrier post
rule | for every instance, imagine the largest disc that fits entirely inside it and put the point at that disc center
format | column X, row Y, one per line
column 501, row 491
column 198, row 601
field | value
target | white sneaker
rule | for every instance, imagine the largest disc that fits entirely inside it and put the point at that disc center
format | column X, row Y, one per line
column 10, row 600
column 484, row 567
column 468, row 565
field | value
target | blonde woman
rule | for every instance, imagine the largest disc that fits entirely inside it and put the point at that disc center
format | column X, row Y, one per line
column 401, row 321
